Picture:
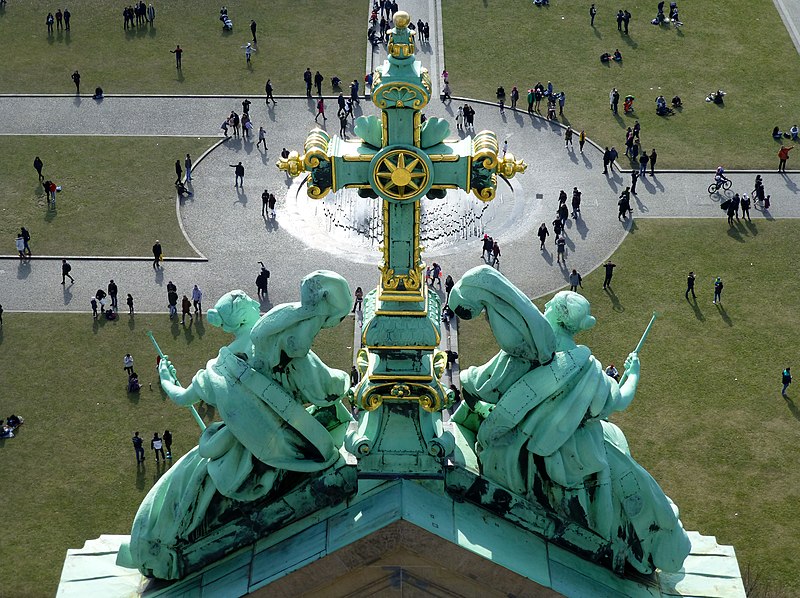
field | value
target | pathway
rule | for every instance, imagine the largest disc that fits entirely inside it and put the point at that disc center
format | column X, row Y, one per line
column 226, row 224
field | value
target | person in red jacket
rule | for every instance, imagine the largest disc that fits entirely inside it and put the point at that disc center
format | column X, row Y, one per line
column 783, row 155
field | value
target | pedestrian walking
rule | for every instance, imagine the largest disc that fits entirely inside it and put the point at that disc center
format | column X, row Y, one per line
column 127, row 363
column 501, row 99
column 187, row 165
column 49, row 22
column 167, row 438
column 197, row 300
column 575, row 280
column 177, row 51
column 272, row 205
column 268, row 90
column 186, row 310
column 690, row 286
column 592, row 15
column 67, row 16
column 38, row 165
column 561, row 250
column 76, row 79
column 65, row 272
column 488, row 243
column 357, row 304
column 624, row 203
column 138, row 448
column 495, row 256
column 783, row 155
column 745, row 204
column 653, row 157
column 262, row 138
column 562, row 99
column 26, row 240
column 514, row 97
column 643, row 160
column 581, row 140
column 318, row 80
column 112, row 293
column 129, row 302
column 718, row 290
column 253, row 28
column 178, row 171
column 172, row 302
column 614, row 100
column 264, row 203
column 609, row 267
column 248, row 51
column 626, row 19
column 786, row 378
column 262, row 282
column 576, row 203
column 239, row 174
column 320, row 110
column 93, row 303
column 568, row 137
column 634, row 179
column 157, row 444
column 158, row 255
column 542, row 233
column 20, row 245
column 307, row 78
column 606, row 160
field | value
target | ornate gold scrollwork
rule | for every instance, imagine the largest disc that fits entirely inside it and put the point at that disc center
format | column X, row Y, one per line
column 293, row 165
column 426, row 396
column 401, row 174
column 508, row 166
column 400, row 95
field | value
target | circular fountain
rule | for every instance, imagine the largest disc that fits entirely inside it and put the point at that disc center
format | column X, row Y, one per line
column 350, row 226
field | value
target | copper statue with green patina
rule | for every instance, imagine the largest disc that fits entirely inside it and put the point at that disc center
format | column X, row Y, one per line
column 403, row 159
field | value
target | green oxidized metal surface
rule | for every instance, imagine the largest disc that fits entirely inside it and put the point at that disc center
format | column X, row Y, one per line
column 401, row 158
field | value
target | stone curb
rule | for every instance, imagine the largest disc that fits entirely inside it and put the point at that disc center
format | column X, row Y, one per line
column 107, row 258
column 199, row 253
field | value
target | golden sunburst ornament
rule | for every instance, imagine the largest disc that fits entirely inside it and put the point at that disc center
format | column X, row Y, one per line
column 401, row 174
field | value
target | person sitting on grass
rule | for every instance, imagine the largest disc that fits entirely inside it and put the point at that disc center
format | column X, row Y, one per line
column 794, row 132
column 676, row 102
column 5, row 431
column 716, row 97
column 617, row 56
column 605, row 57
column 133, row 382
column 14, row 421
column 777, row 133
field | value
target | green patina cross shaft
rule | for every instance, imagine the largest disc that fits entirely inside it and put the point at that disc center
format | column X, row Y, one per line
column 401, row 159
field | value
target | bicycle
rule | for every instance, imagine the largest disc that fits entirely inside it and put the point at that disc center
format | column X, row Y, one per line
column 716, row 186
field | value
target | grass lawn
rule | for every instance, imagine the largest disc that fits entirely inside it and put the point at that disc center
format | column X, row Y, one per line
column 118, row 197
column 292, row 35
column 708, row 420
column 741, row 47
column 70, row 473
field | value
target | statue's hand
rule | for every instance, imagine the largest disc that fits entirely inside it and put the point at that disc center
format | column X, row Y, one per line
column 166, row 371
column 632, row 364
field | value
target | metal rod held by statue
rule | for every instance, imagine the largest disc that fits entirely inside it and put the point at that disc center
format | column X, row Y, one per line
column 196, row 415
column 641, row 342
column 646, row 332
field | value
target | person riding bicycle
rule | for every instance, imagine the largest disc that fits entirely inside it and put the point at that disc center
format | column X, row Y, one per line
column 719, row 177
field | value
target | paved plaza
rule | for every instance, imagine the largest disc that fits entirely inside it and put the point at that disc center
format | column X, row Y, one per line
column 226, row 227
